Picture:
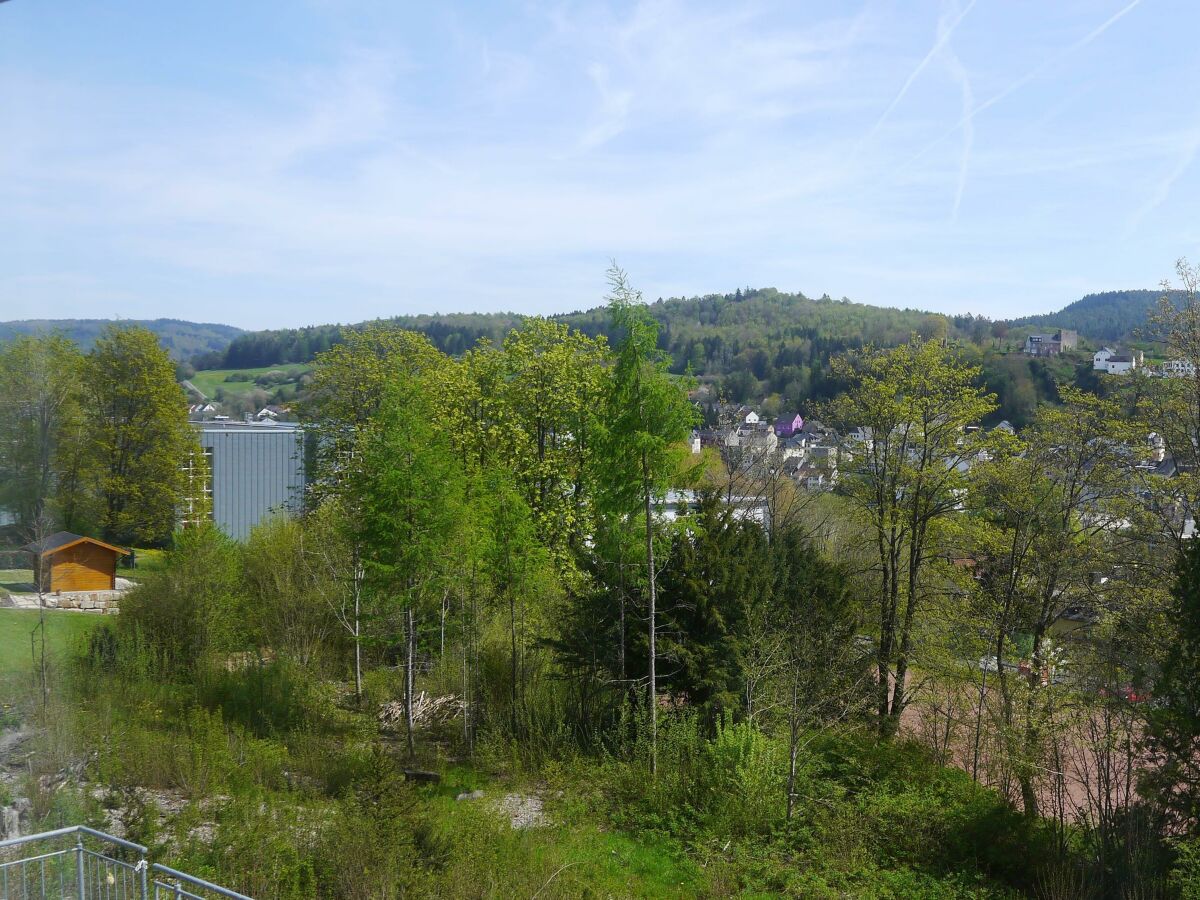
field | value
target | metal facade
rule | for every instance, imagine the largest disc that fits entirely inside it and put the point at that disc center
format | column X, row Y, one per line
column 256, row 471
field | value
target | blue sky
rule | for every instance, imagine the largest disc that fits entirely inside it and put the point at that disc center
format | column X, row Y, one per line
column 281, row 163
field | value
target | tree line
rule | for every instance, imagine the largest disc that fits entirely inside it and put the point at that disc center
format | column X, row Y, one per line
column 93, row 442
column 487, row 527
column 760, row 346
column 1009, row 597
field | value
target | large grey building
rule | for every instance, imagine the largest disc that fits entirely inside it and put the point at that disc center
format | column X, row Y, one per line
column 253, row 470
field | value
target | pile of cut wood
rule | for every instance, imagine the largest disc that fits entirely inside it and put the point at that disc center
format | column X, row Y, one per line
column 427, row 710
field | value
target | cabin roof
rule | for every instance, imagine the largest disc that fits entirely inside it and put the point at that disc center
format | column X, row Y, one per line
column 61, row 540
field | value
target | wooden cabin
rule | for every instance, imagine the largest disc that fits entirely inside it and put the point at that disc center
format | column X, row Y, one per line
column 71, row 562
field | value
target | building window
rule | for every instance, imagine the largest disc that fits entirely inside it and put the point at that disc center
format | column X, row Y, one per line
column 197, row 504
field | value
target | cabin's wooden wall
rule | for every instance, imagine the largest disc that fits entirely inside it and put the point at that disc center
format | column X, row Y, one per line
column 84, row 567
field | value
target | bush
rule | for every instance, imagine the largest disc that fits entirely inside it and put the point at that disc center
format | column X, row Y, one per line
column 1185, row 873
column 191, row 609
column 265, row 699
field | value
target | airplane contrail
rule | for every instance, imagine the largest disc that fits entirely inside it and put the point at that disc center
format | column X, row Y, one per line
column 944, row 35
column 1030, row 75
column 1163, row 190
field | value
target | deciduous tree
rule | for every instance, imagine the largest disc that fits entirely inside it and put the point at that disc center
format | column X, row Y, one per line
column 647, row 417
column 910, row 408
column 39, row 414
column 137, row 436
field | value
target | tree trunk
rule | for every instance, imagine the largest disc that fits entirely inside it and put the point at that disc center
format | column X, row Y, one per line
column 979, row 722
column 653, row 628
column 899, row 700
column 442, row 627
column 917, row 534
column 466, row 671
column 356, row 588
column 884, row 654
column 512, row 631
column 409, row 669
column 621, row 636
column 471, row 660
column 889, row 552
column 793, row 745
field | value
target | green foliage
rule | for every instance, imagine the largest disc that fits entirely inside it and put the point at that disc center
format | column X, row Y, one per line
column 1109, row 316
column 647, row 415
column 754, row 342
column 194, row 608
column 489, row 524
column 916, row 403
column 1173, row 732
column 135, row 437
column 265, row 699
column 41, row 398
column 290, row 578
column 1022, row 383
column 1185, row 873
column 409, row 492
column 713, row 573
column 875, row 819
column 348, row 387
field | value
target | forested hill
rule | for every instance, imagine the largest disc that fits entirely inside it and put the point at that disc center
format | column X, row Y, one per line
column 1110, row 316
column 750, row 331
column 183, row 340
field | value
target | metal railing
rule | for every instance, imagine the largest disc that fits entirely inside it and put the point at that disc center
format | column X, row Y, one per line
column 93, row 866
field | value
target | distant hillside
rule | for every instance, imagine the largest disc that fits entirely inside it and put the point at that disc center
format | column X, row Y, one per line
column 183, row 339
column 754, row 342
column 707, row 331
column 1111, row 316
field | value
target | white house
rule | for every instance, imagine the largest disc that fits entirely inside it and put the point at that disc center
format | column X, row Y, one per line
column 1179, row 368
column 794, row 447
column 1108, row 360
column 758, row 436
column 1123, row 364
column 1100, row 358
column 677, row 503
column 863, row 436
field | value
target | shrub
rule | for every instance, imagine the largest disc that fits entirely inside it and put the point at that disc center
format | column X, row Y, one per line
column 191, row 609
column 1185, row 873
column 264, row 699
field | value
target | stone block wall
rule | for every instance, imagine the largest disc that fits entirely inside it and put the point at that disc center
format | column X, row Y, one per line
column 103, row 602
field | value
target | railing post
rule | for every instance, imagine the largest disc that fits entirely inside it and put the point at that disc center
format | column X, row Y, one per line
column 143, row 867
column 82, row 888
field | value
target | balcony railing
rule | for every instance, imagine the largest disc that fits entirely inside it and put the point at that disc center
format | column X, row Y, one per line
column 80, row 863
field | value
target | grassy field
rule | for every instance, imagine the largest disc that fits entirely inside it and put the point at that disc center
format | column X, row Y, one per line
column 15, row 579
column 147, row 561
column 65, row 634
column 209, row 381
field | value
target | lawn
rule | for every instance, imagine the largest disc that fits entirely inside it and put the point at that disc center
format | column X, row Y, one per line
column 65, row 635
column 208, row 381
column 16, row 580
column 147, row 561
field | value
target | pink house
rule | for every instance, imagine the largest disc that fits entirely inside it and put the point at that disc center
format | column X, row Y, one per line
column 787, row 425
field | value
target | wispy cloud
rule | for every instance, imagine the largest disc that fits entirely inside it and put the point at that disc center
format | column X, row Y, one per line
column 613, row 111
column 1038, row 70
column 945, row 30
column 959, row 73
column 438, row 160
column 1189, row 146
